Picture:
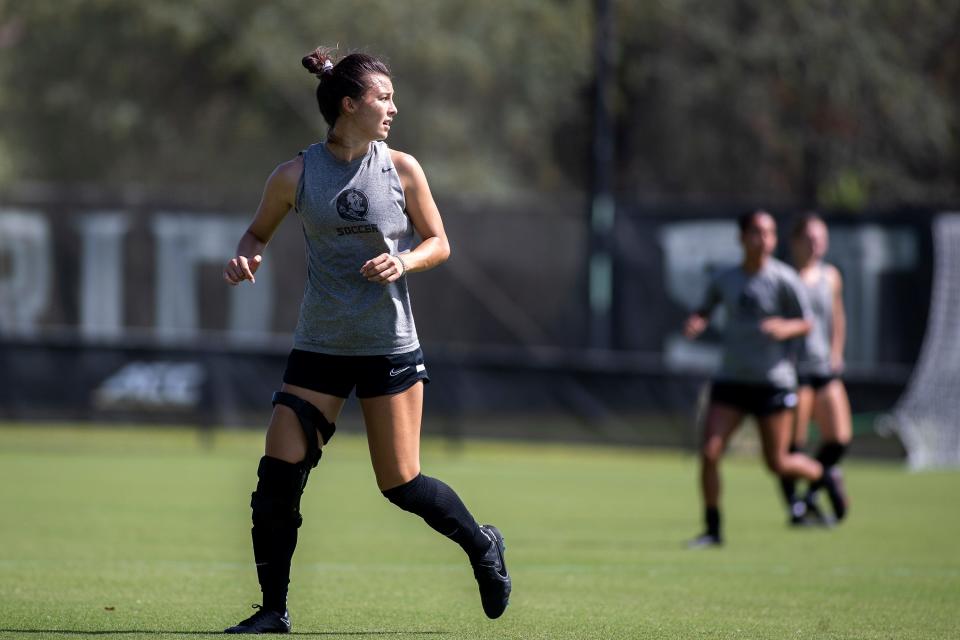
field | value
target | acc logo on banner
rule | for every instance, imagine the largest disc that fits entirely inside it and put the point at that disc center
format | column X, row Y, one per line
column 152, row 385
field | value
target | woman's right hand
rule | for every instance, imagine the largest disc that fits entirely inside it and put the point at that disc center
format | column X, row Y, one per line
column 278, row 197
column 694, row 326
column 241, row 268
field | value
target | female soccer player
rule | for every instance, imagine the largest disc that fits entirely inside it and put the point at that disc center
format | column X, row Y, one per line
column 821, row 393
column 362, row 206
column 766, row 310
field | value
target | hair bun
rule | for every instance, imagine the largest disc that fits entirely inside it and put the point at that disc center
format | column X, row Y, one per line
column 318, row 62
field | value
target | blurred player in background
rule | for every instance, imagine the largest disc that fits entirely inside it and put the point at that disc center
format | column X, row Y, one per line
column 766, row 311
column 821, row 394
column 362, row 206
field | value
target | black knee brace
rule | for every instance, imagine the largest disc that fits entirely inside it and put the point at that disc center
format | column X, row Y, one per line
column 311, row 420
column 276, row 502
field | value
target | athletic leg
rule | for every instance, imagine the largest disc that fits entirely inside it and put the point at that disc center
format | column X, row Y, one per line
column 393, row 435
column 831, row 410
column 282, row 476
column 832, row 413
column 775, row 431
column 721, row 423
column 802, row 414
column 285, row 438
column 798, row 441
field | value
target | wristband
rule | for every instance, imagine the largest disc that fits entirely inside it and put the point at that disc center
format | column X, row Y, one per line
column 402, row 264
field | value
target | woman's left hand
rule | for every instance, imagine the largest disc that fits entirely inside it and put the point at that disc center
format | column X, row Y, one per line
column 836, row 363
column 383, row 269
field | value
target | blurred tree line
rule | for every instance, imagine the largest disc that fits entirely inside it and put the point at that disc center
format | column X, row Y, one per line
column 835, row 103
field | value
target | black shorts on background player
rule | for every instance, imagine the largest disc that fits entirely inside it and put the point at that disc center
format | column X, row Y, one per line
column 755, row 399
column 814, row 381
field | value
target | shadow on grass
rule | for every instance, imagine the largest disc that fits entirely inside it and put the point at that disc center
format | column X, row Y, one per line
column 118, row 632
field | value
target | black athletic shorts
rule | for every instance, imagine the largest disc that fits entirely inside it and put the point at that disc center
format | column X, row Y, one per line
column 817, row 382
column 371, row 375
column 757, row 399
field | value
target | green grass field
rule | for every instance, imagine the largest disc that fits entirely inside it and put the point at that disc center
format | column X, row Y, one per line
column 144, row 532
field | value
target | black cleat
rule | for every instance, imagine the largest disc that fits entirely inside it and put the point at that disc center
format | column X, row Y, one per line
column 836, row 492
column 490, row 570
column 806, row 513
column 704, row 541
column 263, row 621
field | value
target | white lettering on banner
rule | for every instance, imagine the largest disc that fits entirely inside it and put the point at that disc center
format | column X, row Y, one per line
column 184, row 241
column 25, row 270
column 692, row 250
column 152, row 385
column 101, row 273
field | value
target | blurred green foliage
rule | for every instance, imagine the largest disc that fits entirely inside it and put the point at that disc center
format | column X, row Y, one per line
column 849, row 103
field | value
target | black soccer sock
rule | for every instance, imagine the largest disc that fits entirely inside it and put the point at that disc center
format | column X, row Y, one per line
column 789, row 485
column 276, row 518
column 442, row 509
column 712, row 518
column 828, row 456
column 831, row 453
column 789, row 488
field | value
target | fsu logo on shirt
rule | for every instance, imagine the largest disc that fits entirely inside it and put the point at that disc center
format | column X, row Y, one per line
column 352, row 205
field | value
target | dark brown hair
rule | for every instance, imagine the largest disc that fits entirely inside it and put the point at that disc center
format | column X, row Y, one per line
column 345, row 78
column 800, row 224
column 744, row 220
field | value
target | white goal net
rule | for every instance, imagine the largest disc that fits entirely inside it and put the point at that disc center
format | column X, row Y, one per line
column 927, row 416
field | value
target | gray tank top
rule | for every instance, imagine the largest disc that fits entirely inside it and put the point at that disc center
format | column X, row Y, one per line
column 352, row 212
column 749, row 355
column 815, row 355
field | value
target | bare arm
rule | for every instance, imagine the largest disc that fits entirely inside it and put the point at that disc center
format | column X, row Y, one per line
column 698, row 321
column 278, row 197
column 785, row 328
column 434, row 247
column 794, row 321
column 839, row 338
